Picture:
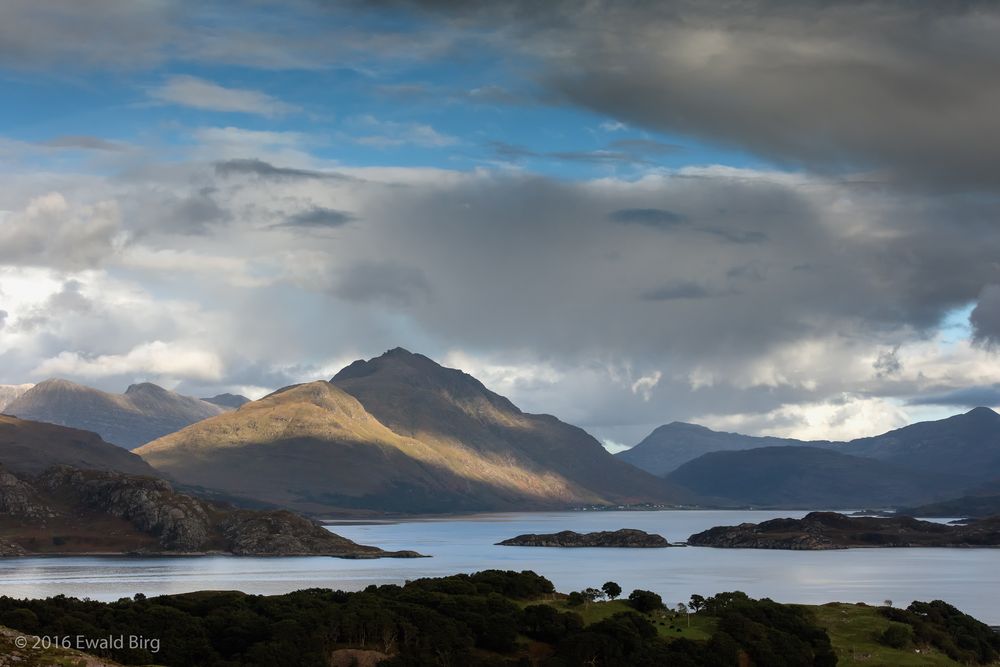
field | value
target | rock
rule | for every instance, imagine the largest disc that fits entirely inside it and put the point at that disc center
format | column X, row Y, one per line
column 829, row 530
column 624, row 538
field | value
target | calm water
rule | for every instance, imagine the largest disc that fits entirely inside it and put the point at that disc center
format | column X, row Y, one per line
column 968, row 578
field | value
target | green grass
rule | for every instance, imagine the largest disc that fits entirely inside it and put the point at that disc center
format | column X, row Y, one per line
column 853, row 630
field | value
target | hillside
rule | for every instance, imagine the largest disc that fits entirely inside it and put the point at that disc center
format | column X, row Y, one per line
column 143, row 413
column 232, row 401
column 806, row 477
column 31, row 447
column 672, row 445
column 401, row 434
column 66, row 511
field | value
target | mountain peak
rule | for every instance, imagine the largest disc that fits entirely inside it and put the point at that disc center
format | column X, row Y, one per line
column 145, row 388
column 982, row 413
column 396, row 358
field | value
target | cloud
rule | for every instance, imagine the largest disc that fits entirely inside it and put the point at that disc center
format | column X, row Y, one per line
column 656, row 218
column 378, row 133
column 381, row 282
column 967, row 397
column 190, row 91
column 319, row 218
column 644, row 386
column 679, row 290
column 985, row 317
column 84, row 142
column 256, row 167
column 830, row 86
column 49, row 232
column 3, row 318
column 155, row 358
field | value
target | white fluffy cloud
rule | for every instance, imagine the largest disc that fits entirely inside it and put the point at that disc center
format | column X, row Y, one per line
column 156, row 358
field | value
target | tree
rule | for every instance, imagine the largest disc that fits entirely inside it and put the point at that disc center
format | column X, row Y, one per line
column 591, row 594
column 887, row 602
column 645, row 601
column 696, row 603
column 575, row 599
column 682, row 609
column 896, row 635
column 611, row 589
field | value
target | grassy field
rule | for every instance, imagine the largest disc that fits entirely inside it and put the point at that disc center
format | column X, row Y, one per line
column 853, row 629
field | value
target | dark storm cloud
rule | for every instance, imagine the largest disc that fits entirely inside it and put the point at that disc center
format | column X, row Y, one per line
column 382, row 282
column 266, row 170
column 909, row 89
column 657, row 218
column 969, row 397
column 985, row 317
column 319, row 218
column 681, row 290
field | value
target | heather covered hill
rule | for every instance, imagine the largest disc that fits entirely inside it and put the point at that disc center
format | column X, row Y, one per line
column 30, row 447
column 143, row 413
column 402, row 434
column 808, row 477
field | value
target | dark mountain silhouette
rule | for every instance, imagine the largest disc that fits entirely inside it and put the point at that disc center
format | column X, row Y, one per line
column 227, row 400
column 807, row 477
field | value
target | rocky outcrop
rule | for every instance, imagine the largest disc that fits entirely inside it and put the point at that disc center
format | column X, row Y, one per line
column 66, row 510
column 829, row 530
column 180, row 522
column 624, row 538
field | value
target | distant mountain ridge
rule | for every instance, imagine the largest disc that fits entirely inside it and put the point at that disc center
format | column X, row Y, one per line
column 399, row 433
column 915, row 464
column 672, row 445
column 144, row 412
column 810, row 477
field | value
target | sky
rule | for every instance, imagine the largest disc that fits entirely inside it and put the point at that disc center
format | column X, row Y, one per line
column 767, row 217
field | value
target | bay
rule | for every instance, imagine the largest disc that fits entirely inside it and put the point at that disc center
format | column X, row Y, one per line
column 967, row 578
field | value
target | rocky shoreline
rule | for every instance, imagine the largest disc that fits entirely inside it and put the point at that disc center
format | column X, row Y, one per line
column 625, row 538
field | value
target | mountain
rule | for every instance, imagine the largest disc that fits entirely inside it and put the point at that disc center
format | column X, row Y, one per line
column 672, row 445
column 9, row 392
column 966, row 444
column 399, row 433
column 28, row 447
column 66, row 510
column 232, row 401
column 143, row 413
column 788, row 476
column 963, row 446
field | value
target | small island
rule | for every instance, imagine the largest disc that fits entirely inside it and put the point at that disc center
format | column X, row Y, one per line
column 625, row 538
column 830, row 530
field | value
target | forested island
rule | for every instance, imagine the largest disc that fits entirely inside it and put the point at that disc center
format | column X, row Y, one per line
column 498, row 618
column 623, row 538
column 830, row 530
